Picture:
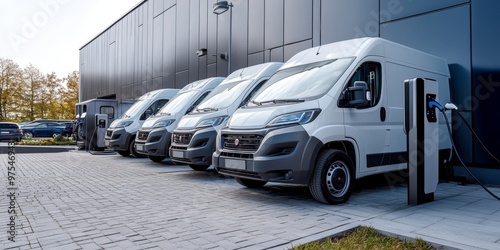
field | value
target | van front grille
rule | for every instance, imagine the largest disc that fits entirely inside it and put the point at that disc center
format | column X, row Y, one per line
column 242, row 142
column 182, row 138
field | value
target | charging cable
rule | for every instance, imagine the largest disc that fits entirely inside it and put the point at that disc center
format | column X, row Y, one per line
column 451, row 106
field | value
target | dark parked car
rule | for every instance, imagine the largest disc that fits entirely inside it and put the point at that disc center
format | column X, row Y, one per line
column 10, row 131
column 45, row 129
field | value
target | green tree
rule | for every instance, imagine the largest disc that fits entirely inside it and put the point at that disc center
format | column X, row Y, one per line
column 32, row 87
column 10, row 82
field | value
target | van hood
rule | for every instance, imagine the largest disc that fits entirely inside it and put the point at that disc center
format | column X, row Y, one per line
column 191, row 121
column 259, row 117
column 150, row 122
column 120, row 121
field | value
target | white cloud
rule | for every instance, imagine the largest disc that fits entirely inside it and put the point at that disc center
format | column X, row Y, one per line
column 49, row 33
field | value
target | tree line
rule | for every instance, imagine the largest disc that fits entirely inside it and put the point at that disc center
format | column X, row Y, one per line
column 28, row 94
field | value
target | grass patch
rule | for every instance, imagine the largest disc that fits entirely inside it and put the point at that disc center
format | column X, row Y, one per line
column 365, row 238
column 59, row 140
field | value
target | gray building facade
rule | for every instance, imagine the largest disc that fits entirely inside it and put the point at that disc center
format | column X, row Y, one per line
column 154, row 46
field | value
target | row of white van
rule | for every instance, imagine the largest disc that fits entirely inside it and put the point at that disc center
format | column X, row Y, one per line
column 328, row 116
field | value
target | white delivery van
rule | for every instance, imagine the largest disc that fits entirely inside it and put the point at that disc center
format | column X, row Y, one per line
column 153, row 139
column 120, row 136
column 193, row 141
column 330, row 115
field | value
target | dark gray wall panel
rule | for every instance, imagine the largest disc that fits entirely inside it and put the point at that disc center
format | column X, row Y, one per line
column 292, row 49
column 194, row 31
column 341, row 20
column 239, row 35
column 211, row 70
column 256, row 58
column 169, row 51
column 167, row 4
column 276, row 55
column 181, row 80
column 396, row 9
column 273, row 29
column 486, row 77
column 182, row 36
column 298, row 20
column 202, row 38
column 158, row 46
column 211, row 33
column 255, row 26
column 446, row 34
column 158, row 7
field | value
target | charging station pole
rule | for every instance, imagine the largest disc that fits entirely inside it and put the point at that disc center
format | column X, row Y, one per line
column 422, row 142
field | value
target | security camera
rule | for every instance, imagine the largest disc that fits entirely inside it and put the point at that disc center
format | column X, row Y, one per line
column 201, row 52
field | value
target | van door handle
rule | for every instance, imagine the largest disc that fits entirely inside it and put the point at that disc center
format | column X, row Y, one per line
column 382, row 114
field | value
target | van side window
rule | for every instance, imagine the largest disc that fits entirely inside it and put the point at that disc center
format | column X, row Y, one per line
column 371, row 73
column 252, row 93
column 110, row 111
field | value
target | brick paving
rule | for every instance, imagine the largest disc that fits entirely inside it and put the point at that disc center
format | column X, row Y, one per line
column 74, row 200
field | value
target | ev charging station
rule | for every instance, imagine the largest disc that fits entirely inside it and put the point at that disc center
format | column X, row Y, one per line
column 101, row 121
column 422, row 129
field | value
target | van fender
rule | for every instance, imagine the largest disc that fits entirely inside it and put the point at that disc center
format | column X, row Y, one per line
column 326, row 137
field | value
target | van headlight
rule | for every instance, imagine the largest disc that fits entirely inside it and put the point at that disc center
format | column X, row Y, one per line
column 212, row 121
column 123, row 124
column 301, row 117
column 165, row 123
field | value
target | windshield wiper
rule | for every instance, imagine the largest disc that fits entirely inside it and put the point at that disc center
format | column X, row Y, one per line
column 207, row 109
column 278, row 101
column 162, row 114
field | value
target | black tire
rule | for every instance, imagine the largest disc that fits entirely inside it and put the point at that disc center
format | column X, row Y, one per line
column 124, row 153
column 199, row 167
column 333, row 178
column 251, row 183
column 156, row 158
column 134, row 152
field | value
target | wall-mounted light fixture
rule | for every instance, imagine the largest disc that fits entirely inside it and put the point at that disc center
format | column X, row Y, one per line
column 201, row 52
column 219, row 8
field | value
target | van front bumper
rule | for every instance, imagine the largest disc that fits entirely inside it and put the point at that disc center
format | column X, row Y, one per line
column 117, row 139
column 193, row 146
column 153, row 142
column 283, row 154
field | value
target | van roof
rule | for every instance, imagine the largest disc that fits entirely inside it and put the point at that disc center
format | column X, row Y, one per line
column 374, row 46
column 200, row 84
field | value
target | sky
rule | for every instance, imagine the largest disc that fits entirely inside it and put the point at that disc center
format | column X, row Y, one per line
column 49, row 33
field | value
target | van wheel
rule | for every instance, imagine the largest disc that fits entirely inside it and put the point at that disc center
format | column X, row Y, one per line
column 199, row 167
column 28, row 135
column 333, row 179
column 134, row 152
column 251, row 183
column 156, row 158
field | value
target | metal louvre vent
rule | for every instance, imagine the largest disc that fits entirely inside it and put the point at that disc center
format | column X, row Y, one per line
column 242, row 142
column 142, row 135
column 182, row 138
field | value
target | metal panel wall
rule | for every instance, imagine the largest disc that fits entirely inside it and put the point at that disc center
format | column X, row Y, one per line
column 485, row 89
column 446, row 34
column 155, row 44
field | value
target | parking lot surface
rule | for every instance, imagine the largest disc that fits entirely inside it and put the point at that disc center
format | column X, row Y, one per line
column 75, row 200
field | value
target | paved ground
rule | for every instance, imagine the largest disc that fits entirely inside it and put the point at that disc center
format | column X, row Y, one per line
column 74, row 200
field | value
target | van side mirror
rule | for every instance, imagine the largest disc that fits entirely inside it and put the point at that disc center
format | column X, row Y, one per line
column 146, row 114
column 357, row 96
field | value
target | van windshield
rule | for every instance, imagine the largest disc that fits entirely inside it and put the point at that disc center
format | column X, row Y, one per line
column 303, row 82
column 135, row 109
column 175, row 105
column 223, row 96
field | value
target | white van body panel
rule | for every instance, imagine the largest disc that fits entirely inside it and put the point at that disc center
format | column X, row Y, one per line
column 376, row 133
